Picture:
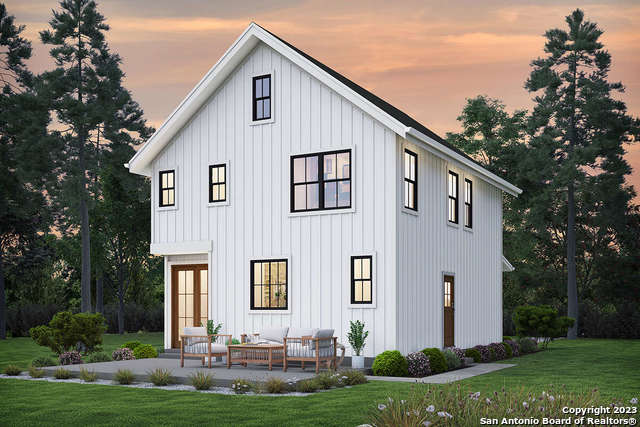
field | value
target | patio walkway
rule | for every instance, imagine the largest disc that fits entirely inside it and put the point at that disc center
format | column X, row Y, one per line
column 223, row 376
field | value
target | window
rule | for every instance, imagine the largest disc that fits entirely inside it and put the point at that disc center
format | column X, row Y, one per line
column 361, row 279
column 269, row 285
column 468, row 200
column 321, row 181
column 262, row 97
column 410, row 180
column 217, row 183
column 453, row 197
column 167, row 188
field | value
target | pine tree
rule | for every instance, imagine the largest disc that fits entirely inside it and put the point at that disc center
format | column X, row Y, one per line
column 580, row 129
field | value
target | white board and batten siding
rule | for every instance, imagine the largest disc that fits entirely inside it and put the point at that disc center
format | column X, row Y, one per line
column 429, row 247
column 257, row 224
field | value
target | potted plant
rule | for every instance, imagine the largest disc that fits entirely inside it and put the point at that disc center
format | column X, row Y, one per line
column 357, row 336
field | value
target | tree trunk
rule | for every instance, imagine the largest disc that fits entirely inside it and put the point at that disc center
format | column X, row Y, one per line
column 572, row 287
column 3, row 304
column 121, row 310
column 99, row 287
column 85, row 278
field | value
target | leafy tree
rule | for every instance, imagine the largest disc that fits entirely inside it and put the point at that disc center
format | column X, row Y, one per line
column 541, row 322
column 25, row 160
column 578, row 124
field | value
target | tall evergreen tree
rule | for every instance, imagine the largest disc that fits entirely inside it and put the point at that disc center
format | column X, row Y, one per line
column 24, row 156
column 87, row 98
column 582, row 128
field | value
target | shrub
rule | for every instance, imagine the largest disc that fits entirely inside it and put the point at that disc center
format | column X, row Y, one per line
column 201, row 380
column 145, row 351
column 452, row 359
column 66, row 330
column 20, row 319
column 39, row 362
column 474, row 354
column 352, row 377
column 357, row 336
column 418, row 364
column 508, row 350
column 507, row 338
column 390, row 363
column 527, row 345
column 131, row 345
column 88, row 376
column 499, row 351
column 124, row 376
column 515, row 347
column 437, row 362
column 307, row 386
column 458, row 351
column 12, row 370
column 161, row 377
column 455, row 404
column 122, row 354
column 327, row 380
column 70, row 358
column 34, row 372
column 62, row 374
column 240, row 386
column 99, row 357
column 541, row 321
column 275, row 385
column 485, row 353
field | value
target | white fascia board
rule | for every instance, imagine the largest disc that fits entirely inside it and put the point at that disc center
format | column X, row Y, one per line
column 182, row 248
column 447, row 153
column 506, row 265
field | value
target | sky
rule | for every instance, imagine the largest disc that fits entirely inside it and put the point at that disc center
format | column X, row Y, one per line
column 424, row 57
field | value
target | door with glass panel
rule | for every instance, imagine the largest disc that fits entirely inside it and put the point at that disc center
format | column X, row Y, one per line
column 449, row 334
column 189, row 291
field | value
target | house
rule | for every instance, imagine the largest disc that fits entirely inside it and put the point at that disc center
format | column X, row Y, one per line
column 285, row 194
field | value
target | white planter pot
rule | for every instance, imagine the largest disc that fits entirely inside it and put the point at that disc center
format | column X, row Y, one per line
column 357, row 362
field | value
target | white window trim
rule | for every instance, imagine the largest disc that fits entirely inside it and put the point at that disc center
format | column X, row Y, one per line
column 263, row 72
column 176, row 193
column 473, row 202
column 448, row 169
column 415, row 150
column 322, row 150
column 247, row 293
column 374, row 281
column 227, row 200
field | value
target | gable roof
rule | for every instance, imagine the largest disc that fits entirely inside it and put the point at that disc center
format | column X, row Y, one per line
column 398, row 121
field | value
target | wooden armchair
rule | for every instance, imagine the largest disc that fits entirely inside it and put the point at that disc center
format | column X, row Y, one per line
column 195, row 342
column 310, row 349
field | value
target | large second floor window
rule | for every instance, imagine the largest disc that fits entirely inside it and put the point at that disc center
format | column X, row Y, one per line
column 269, row 284
column 167, row 188
column 453, row 198
column 321, row 181
column 217, row 183
column 468, row 203
column 410, row 180
column 262, row 97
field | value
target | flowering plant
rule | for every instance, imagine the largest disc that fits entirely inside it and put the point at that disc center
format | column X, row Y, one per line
column 485, row 353
column 70, row 358
column 418, row 364
column 123, row 354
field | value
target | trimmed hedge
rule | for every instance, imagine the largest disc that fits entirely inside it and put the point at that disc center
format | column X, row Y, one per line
column 437, row 362
column 473, row 353
column 508, row 350
column 390, row 363
column 145, row 351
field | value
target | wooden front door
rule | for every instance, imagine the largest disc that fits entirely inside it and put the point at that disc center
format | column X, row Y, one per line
column 448, row 311
column 189, row 291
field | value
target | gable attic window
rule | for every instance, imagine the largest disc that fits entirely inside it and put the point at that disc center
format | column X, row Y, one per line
column 262, row 97
column 167, row 188
column 468, row 200
column 410, row 180
column 321, row 181
column 453, row 198
column 217, row 183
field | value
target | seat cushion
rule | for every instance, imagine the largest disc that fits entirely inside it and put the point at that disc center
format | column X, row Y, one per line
column 301, row 332
column 324, row 333
column 274, row 334
column 203, row 348
column 195, row 330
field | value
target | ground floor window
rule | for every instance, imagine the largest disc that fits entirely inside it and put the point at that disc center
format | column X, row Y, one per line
column 269, row 284
column 361, row 279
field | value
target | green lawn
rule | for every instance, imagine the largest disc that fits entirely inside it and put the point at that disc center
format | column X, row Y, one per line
column 610, row 365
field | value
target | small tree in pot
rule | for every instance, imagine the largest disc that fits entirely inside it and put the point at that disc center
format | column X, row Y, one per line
column 357, row 336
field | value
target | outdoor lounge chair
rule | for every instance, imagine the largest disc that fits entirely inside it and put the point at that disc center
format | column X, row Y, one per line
column 194, row 342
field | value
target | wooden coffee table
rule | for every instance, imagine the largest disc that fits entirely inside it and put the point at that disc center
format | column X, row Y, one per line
column 264, row 354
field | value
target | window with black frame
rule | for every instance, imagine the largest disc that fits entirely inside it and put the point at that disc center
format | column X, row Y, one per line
column 262, row 97
column 269, row 284
column 217, row 183
column 468, row 200
column 361, row 279
column 410, row 180
column 453, row 197
column 167, row 188
column 321, row 181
